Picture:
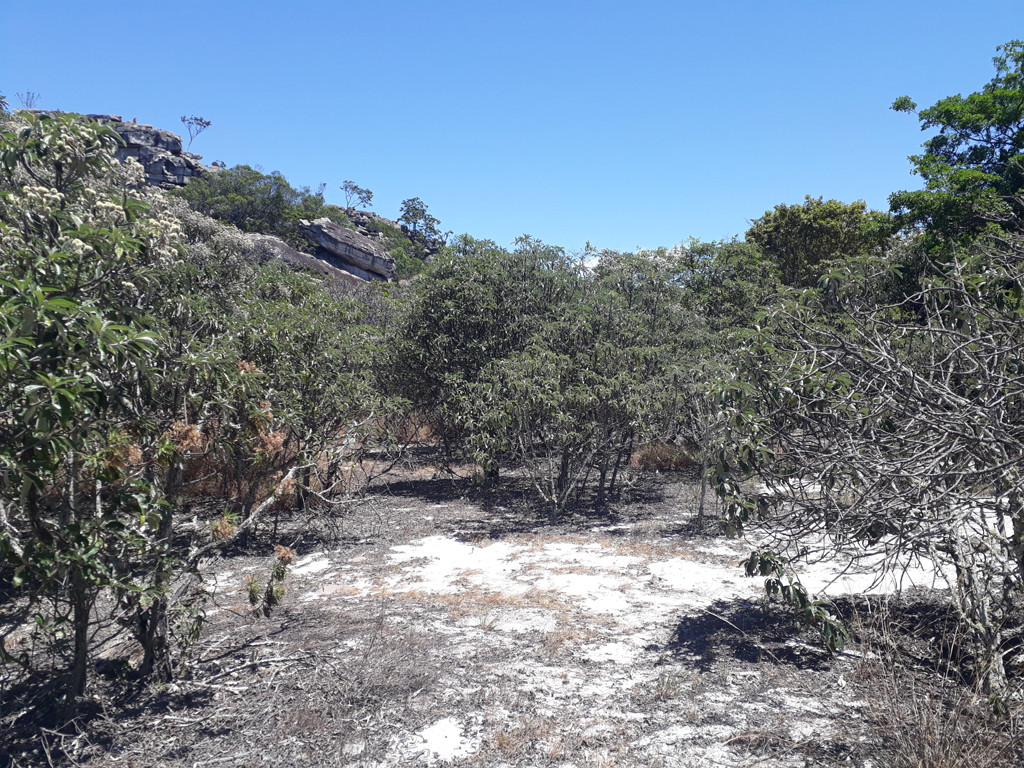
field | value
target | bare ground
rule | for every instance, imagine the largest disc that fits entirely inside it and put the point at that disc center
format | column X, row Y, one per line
column 436, row 623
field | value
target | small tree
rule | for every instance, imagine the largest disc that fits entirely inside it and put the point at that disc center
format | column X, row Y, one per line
column 354, row 194
column 414, row 217
column 804, row 239
column 195, row 126
column 28, row 99
column 74, row 518
column 973, row 169
column 527, row 358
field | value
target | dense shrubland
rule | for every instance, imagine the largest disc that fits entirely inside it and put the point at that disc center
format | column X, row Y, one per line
column 864, row 369
column 255, row 201
column 144, row 349
column 882, row 410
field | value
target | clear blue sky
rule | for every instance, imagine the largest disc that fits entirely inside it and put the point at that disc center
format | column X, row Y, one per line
column 625, row 124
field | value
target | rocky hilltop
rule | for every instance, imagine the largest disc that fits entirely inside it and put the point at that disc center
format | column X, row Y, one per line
column 349, row 249
column 159, row 152
column 352, row 255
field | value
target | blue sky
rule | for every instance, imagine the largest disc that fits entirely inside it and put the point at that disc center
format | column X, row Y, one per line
column 626, row 125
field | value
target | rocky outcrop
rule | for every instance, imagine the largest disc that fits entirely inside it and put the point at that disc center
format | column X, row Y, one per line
column 371, row 224
column 351, row 255
column 158, row 151
column 348, row 250
column 273, row 247
column 377, row 227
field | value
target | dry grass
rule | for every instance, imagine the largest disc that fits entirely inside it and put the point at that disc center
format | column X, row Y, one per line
column 536, row 740
column 474, row 600
column 663, row 456
column 353, row 681
column 926, row 727
column 923, row 720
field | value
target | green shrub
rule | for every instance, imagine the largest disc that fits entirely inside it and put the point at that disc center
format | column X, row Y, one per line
column 261, row 202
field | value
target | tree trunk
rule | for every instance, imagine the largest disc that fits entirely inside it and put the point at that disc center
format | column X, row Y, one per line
column 80, row 605
column 703, row 491
column 153, row 621
column 156, row 661
column 618, row 465
column 973, row 602
column 1017, row 543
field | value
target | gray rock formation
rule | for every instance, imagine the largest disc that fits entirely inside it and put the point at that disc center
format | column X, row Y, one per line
column 348, row 250
column 370, row 223
column 159, row 152
column 273, row 247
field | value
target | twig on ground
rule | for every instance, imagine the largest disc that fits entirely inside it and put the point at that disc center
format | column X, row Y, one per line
column 760, row 647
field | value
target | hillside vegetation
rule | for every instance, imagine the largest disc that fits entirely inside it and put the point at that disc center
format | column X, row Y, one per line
column 841, row 380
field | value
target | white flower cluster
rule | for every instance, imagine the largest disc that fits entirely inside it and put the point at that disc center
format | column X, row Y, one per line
column 78, row 140
column 164, row 238
column 129, row 175
column 77, row 248
column 109, row 212
column 42, row 198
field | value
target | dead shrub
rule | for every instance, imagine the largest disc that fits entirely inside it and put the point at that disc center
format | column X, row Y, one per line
column 664, row 456
column 931, row 721
column 925, row 727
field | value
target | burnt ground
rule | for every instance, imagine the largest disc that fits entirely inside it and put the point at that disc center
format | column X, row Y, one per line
column 435, row 622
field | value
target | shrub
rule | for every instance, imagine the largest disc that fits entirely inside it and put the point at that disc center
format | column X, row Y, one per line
column 261, row 202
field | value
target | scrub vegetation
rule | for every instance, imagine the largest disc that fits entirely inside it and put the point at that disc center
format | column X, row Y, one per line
column 842, row 384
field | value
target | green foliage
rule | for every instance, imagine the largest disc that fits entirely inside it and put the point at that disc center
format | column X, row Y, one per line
column 262, row 598
column 730, row 282
column 57, row 152
column 137, row 342
column 415, row 219
column 806, row 240
column 895, row 429
column 354, row 194
column 883, row 413
column 779, row 582
column 524, row 357
column 973, row 169
column 476, row 303
column 261, row 202
column 71, row 347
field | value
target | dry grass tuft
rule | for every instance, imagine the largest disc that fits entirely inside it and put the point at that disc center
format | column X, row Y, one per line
column 923, row 727
column 927, row 721
column 663, row 456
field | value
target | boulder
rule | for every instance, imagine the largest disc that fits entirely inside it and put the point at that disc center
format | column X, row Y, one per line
column 349, row 250
column 274, row 247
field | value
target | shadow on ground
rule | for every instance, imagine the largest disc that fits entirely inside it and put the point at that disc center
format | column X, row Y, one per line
column 742, row 631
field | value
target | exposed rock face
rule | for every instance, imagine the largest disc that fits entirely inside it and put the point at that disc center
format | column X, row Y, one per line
column 158, row 151
column 274, row 247
column 368, row 222
column 374, row 226
column 348, row 250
